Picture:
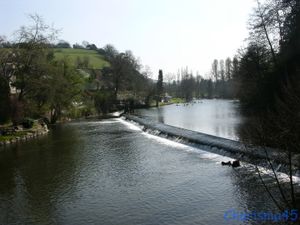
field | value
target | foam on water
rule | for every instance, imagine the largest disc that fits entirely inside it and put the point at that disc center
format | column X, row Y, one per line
column 108, row 121
column 283, row 177
column 201, row 153
column 166, row 141
column 129, row 125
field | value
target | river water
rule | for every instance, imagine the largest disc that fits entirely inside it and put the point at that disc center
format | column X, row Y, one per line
column 220, row 118
column 111, row 172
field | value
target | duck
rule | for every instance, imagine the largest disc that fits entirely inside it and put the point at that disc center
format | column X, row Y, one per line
column 226, row 163
column 235, row 163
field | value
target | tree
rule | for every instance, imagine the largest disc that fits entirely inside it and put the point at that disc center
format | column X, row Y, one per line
column 235, row 68
column 188, row 86
column 147, row 72
column 159, row 87
column 110, row 51
column 27, row 58
column 7, row 70
column 267, row 25
column 78, row 46
column 4, row 43
column 269, row 87
column 228, row 69
column 85, row 44
column 215, row 70
column 66, row 86
column 91, row 47
column 4, row 100
column 39, row 84
column 124, row 69
column 103, row 101
column 209, row 88
column 222, row 70
column 255, row 81
column 63, row 44
column 2, row 40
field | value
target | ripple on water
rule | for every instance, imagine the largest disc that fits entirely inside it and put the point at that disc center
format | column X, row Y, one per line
column 110, row 172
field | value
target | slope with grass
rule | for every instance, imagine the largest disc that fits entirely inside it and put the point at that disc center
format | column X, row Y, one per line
column 96, row 61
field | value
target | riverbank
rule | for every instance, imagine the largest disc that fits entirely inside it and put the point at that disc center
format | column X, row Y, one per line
column 172, row 101
column 13, row 135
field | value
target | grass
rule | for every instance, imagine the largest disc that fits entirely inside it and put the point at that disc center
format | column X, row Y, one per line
column 10, row 137
column 172, row 101
column 20, row 133
column 177, row 100
column 96, row 61
column 6, row 138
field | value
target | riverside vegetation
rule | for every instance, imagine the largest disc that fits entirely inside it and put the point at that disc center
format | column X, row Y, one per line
column 45, row 78
column 42, row 78
column 39, row 80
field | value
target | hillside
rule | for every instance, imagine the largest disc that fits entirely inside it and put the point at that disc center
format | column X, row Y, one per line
column 96, row 61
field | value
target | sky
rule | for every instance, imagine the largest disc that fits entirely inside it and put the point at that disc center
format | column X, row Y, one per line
column 163, row 34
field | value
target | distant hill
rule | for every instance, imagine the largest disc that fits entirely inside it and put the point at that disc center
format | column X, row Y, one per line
column 96, row 61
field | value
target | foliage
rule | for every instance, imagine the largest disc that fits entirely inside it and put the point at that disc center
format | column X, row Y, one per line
column 268, row 84
column 255, row 79
column 159, row 84
column 159, row 87
column 63, row 44
column 124, row 71
column 221, row 85
column 41, row 83
column 4, row 101
column 103, row 101
column 27, row 123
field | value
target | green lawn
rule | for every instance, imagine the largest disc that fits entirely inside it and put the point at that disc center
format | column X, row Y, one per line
column 96, row 61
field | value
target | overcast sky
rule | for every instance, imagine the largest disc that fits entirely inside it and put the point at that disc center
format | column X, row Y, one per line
column 164, row 34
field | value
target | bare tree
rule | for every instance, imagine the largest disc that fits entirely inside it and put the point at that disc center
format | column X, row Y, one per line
column 267, row 23
column 277, row 125
column 169, row 77
column 228, row 68
column 32, row 40
column 147, row 72
column 222, row 69
column 36, row 33
column 215, row 70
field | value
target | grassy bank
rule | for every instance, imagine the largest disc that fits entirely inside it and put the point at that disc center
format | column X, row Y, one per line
column 172, row 101
column 10, row 134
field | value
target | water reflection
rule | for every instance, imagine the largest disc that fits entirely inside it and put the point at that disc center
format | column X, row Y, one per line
column 33, row 171
column 107, row 173
column 216, row 117
column 160, row 115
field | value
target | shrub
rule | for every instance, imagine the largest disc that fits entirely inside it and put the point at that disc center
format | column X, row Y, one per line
column 27, row 123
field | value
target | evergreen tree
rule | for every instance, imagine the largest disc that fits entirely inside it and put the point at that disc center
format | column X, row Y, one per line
column 159, row 87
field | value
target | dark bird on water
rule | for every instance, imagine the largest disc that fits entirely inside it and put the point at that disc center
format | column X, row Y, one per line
column 235, row 163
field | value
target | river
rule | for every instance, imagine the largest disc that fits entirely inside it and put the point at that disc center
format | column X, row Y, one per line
column 220, row 118
column 111, row 172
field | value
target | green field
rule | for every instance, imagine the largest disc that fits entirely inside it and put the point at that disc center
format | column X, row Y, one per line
column 96, row 61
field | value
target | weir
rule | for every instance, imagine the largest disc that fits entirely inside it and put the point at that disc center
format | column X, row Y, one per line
column 218, row 145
